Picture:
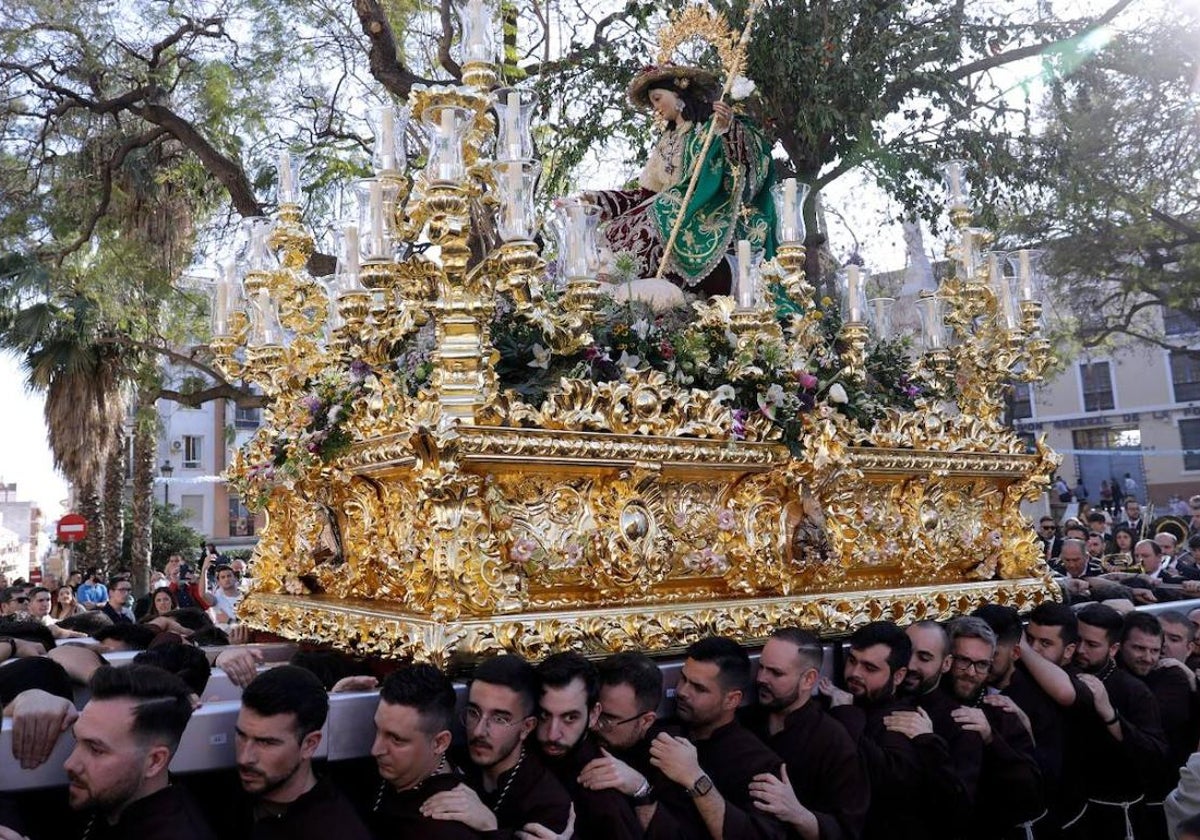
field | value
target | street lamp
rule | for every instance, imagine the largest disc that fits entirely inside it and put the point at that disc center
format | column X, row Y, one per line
column 166, row 469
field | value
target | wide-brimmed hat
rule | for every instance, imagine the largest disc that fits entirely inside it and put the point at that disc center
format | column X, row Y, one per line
column 675, row 77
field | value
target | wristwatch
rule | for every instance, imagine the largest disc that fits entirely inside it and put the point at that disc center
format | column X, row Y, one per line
column 644, row 795
column 700, row 787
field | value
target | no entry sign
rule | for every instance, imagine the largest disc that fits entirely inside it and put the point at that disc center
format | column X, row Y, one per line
column 72, row 528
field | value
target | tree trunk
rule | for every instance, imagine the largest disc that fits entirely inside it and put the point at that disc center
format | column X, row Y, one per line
column 145, row 436
column 90, row 552
column 113, row 498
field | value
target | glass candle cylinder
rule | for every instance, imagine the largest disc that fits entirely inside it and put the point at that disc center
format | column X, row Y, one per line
column 227, row 298
column 376, row 218
column 969, row 253
column 265, row 328
column 446, row 126
column 879, row 316
column 389, row 125
column 477, row 18
column 933, row 323
column 854, row 283
column 1027, row 266
column 258, row 255
column 745, row 285
column 578, row 256
column 514, row 112
column 516, row 181
column 1007, row 310
column 789, row 197
column 288, row 172
column 954, row 174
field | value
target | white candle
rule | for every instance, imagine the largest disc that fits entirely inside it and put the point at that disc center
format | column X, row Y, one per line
column 853, row 294
column 477, row 44
column 956, row 191
column 512, row 199
column 387, row 138
column 287, row 189
column 221, row 300
column 350, row 258
column 512, row 125
column 1025, row 275
column 789, row 202
column 446, row 138
column 377, row 244
column 745, row 284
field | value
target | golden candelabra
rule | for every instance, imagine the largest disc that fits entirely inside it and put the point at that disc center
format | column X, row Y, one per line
column 455, row 519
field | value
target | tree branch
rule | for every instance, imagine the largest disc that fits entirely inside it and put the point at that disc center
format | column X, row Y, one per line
column 385, row 63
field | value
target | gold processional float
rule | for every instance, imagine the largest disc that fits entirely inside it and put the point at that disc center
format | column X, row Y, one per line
column 464, row 452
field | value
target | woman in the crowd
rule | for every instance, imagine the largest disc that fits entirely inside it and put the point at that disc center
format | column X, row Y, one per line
column 162, row 601
column 64, row 604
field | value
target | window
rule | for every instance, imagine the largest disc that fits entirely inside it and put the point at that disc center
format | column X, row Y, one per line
column 247, row 418
column 1179, row 323
column 1112, row 437
column 1097, row 386
column 241, row 521
column 1189, row 442
column 191, row 451
column 1020, row 401
column 1185, row 376
column 193, row 509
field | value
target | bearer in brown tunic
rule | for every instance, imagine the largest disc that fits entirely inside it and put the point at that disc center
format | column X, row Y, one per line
column 823, row 794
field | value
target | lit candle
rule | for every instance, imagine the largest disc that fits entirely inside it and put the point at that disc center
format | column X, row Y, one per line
column 377, row 244
column 446, row 138
column 512, row 125
column 745, row 285
column 387, row 139
column 350, row 258
column 854, row 312
column 287, row 189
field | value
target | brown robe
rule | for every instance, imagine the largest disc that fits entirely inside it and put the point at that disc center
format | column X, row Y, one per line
column 397, row 813
column 599, row 814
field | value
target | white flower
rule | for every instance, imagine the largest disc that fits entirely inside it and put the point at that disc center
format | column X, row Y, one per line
column 334, row 413
column 641, row 328
column 522, row 549
column 541, row 357
column 724, row 394
column 837, row 394
column 628, row 361
column 741, row 88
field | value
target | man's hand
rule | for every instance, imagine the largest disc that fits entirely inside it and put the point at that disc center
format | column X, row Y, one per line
column 38, row 719
column 909, row 724
column 1078, row 587
column 239, row 634
column 973, row 720
column 460, row 805
column 1100, row 699
column 776, row 797
column 23, row 649
column 676, row 758
column 609, row 773
column 1171, row 662
column 1144, row 596
column 359, row 683
column 169, row 625
column 1001, row 701
column 241, row 664
column 837, row 697
column 537, row 831
column 8, row 834
column 59, row 633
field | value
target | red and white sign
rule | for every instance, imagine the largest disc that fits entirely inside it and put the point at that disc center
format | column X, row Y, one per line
column 72, row 528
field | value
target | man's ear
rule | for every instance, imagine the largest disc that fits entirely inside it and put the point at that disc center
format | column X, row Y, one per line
column 732, row 700
column 527, row 726
column 309, row 744
column 898, row 677
column 593, row 715
column 441, row 742
column 158, row 758
column 946, row 663
column 809, row 680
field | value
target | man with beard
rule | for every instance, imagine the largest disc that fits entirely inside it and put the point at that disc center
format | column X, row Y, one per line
column 876, row 665
column 1010, row 784
column 277, row 732
column 412, row 734
column 1114, row 724
column 568, row 708
column 950, row 755
column 1140, row 655
column 125, row 738
column 510, row 790
column 823, row 793
column 704, row 774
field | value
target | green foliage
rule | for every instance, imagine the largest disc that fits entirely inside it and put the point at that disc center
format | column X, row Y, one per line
column 171, row 532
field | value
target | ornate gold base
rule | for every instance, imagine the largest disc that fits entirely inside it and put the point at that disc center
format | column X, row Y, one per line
column 377, row 629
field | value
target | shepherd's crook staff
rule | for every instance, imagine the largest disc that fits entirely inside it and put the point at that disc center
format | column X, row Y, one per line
column 732, row 72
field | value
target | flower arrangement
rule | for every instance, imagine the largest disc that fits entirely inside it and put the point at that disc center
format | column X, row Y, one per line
column 303, row 435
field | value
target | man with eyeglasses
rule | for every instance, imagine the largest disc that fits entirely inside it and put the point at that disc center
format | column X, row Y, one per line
column 120, row 594
column 1010, row 788
column 822, row 792
column 13, row 600
column 510, row 788
column 1047, row 535
column 568, row 708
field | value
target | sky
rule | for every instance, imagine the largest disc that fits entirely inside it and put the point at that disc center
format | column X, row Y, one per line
column 24, row 452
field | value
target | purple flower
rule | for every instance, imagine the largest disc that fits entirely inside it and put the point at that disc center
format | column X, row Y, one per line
column 739, row 423
column 912, row 392
column 807, row 381
column 312, row 403
column 359, row 370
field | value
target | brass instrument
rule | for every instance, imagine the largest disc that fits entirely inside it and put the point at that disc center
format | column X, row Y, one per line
column 1176, row 526
column 1120, row 562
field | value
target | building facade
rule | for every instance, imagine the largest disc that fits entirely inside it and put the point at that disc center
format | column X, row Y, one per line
column 26, row 521
column 1134, row 410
